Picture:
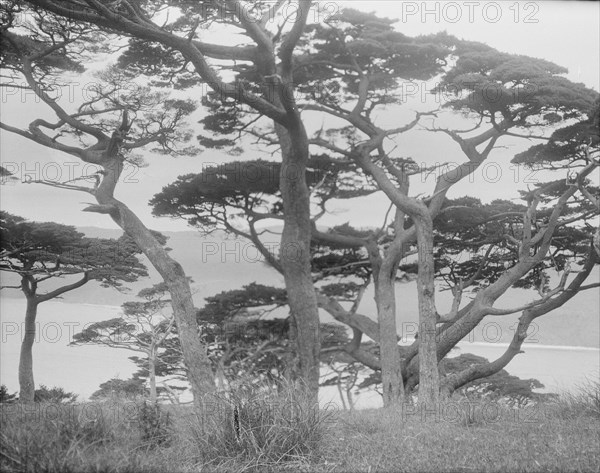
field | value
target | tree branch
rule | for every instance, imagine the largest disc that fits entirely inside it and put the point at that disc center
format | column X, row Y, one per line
column 61, row 290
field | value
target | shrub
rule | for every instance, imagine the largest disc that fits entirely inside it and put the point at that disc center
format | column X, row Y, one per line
column 5, row 396
column 155, row 425
column 266, row 425
column 50, row 437
column 59, row 437
column 55, row 394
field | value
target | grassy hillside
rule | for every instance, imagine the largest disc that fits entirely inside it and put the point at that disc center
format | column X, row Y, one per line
column 277, row 432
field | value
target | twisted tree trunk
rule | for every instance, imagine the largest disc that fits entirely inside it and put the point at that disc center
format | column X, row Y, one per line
column 195, row 356
column 295, row 254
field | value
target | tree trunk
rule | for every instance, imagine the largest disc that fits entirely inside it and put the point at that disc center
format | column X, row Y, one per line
column 296, row 256
column 195, row 356
column 26, row 383
column 391, row 372
column 152, row 375
column 384, row 277
column 340, row 392
column 429, row 380
column 350, row 396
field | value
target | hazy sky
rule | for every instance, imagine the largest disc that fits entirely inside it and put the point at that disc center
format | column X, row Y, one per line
column 566, row 33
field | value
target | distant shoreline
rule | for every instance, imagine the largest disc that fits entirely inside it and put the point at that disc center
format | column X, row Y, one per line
column 463, row 344
column 87, row 304
column 531, row 345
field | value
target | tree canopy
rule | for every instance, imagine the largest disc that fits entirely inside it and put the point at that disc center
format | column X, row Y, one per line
column 40, row 252
column 44, row 250
column 348, row 68
column 350, row 73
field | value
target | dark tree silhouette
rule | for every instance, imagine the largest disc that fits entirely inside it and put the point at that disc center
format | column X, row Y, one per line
column 5, row 396
column 144, row 327
column 55, row 395
column 121, row 388
column 38, row 252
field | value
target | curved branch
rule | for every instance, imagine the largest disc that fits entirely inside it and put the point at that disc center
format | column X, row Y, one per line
column 61, row 290
column 357, row 321
column 97, row 13
column 453, row 382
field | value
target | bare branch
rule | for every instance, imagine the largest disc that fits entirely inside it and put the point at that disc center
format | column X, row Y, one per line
column 545, row 297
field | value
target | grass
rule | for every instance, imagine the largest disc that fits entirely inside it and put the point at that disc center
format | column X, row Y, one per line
column 585, row 399
column 269, row 431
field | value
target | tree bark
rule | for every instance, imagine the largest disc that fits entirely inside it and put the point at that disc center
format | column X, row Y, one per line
column 26, row 382
column 429, row 381
column 384, row 275
column 295, row 254
column 391, row 372
column 297, row 228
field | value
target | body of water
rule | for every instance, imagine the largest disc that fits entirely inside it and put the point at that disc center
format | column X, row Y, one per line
column 82, row 369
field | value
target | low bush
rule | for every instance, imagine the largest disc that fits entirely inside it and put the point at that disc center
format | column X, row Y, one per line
column 259, row 425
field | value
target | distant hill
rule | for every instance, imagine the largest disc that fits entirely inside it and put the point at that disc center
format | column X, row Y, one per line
column 218, row 262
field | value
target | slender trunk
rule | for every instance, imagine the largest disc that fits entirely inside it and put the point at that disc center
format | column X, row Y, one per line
column 152, row 375
column 26, row 383
column 429, row 380
column 340, row 392
column 384, row 277
column 173, row 397
column 350, row 398
column 391, row 372
column 195, row 356
column 296, row 256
